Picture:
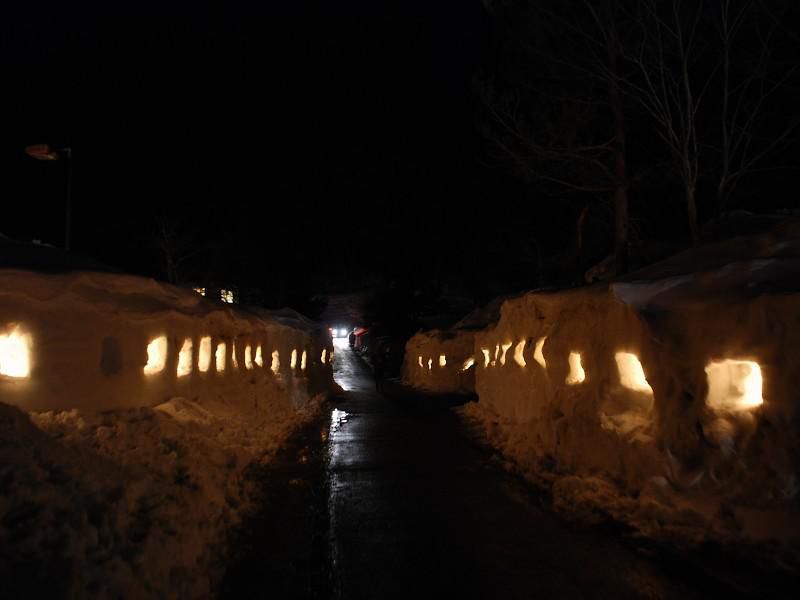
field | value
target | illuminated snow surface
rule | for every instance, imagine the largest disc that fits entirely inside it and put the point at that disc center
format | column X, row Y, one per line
column 665, row 400
column 124, row 438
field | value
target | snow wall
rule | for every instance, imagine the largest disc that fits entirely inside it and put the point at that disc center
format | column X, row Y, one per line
column 671, row 404
column 440, row 361
column 99, row 342
column 129, row 410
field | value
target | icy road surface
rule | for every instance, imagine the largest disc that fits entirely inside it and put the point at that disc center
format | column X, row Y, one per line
column 388, row 497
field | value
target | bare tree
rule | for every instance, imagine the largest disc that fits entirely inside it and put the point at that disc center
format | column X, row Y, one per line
column 175, row 245
column 554, row 126
column 682, row 73
column 746, row 93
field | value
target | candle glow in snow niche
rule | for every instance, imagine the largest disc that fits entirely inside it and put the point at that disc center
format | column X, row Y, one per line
column 156, row 356
column 519, row 356
column 627, row 409
column 576, row 372
column 185, row 358
column 538, row 354
column 220, row 357
column 631, row 373
column 204, row 355
column 15, row 353
column 248, row 357
column 734, row 385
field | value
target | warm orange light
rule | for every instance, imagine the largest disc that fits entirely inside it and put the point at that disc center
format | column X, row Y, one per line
column 204, row 355
column 248, row 357
column 259, row 358
column 220, row 357
column 505, row 348
column 185, row 358
column 156, row 356
column 468, row 363
column 419, row 361
column 576, row 372
column 293, row 360
column 15, row 353
column 234, row 360
column 276, row 362
column 324, row 356
column 430, row 364
column 538, row 355
column 631, row 373
column 485, row 352
column 442, row 360
column 303, row 359
column 519, row 357
column 734, row 385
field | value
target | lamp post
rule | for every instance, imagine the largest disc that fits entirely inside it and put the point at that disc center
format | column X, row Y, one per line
column 45, row 152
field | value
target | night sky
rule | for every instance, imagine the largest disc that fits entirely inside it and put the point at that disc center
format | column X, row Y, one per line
column 273, row 137
column 305, row 147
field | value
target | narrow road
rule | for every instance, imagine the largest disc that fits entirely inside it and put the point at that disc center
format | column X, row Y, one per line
column 388, row 497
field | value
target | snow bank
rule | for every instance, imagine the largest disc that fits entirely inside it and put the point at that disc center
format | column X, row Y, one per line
column 129, row 411
column 443, row 361
column 440, row 361
column 669, row 403
column 103, row 341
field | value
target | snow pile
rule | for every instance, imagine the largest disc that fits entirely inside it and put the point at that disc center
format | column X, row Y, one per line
column 440, row 361
column 101, row 341
column 128, row 413
column 444, row 361
column 668, row 403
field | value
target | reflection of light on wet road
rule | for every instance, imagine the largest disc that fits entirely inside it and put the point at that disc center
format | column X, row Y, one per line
column 348, row 369
column 338, row 418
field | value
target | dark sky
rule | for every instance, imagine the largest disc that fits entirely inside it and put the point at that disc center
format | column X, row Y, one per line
column 262, row 131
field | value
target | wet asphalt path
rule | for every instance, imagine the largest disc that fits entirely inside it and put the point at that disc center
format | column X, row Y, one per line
column 387, row 497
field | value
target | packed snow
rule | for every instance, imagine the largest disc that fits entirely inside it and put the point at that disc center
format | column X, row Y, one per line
column 123, row 444
column 668, row 400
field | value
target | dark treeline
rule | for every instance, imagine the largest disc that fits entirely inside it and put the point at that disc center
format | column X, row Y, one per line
column 432, row 150
column 649, row 120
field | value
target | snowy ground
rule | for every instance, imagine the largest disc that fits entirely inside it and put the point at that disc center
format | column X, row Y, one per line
column 132, row 503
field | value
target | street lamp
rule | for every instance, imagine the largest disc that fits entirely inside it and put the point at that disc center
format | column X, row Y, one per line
column 45, row 152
